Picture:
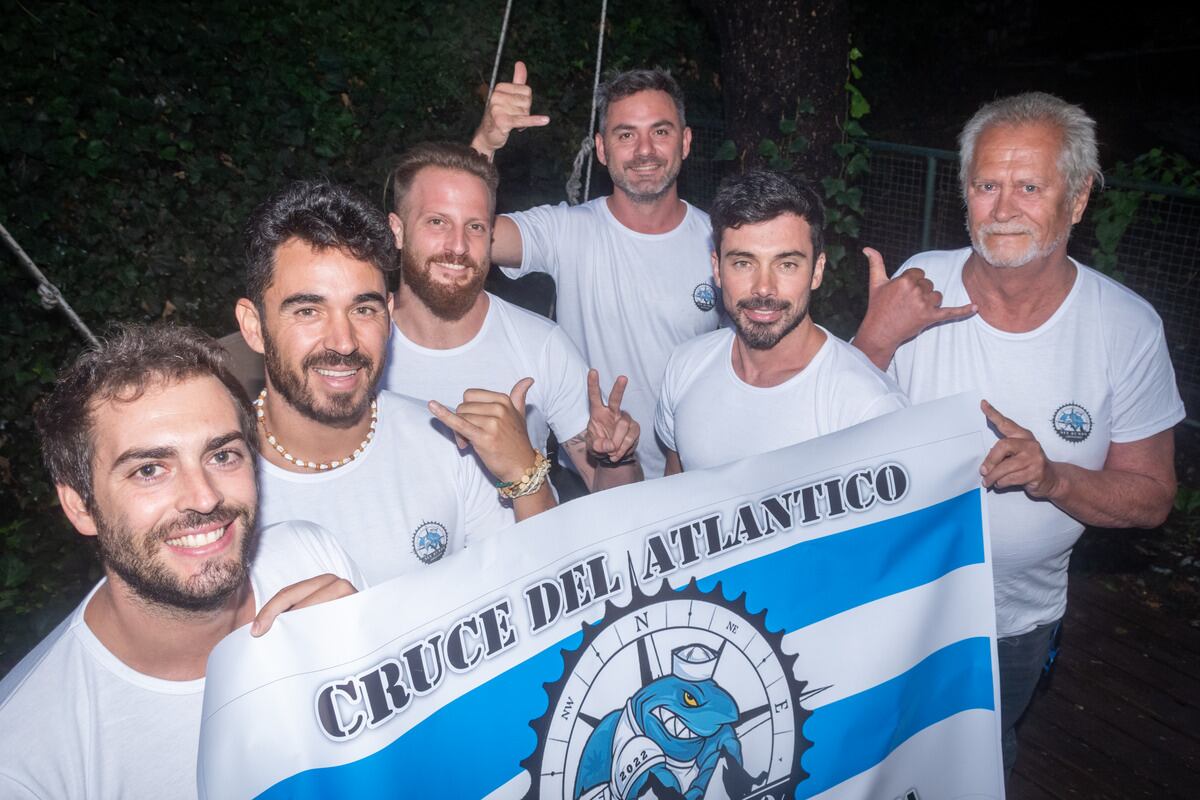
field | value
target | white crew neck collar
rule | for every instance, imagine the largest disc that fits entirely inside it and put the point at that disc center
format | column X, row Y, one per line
column 1053, row 320
column 602, row 204
column 809, row 368
column 450, row 352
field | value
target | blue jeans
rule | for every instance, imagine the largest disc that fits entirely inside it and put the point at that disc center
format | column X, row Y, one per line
column 1021, row 661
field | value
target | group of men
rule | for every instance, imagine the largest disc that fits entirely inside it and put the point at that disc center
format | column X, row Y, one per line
column 397, row 428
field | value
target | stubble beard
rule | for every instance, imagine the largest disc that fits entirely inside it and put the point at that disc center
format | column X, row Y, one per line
column 646, row 196
column 758, row 336
column 137, row 561
column 447, row 302
column 343, row 410
column 1030, row 254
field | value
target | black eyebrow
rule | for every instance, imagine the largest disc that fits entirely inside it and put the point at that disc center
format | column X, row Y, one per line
column 370, row 297
column 217, row 442
column 163, row 453
column 659, row 124
column 300, row 299
column 144, row 454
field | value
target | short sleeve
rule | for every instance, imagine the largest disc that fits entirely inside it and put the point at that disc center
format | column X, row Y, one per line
column 884, row 404
column 324, row 553
column 1146, row 398
column 664, row 412
column 564, row 386
column 541, row 231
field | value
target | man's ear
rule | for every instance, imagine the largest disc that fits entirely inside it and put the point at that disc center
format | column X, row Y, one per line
column 397, row 226
column 1079, row 203
column 250, row 324
column 687, row 141
column 818, row 272
column 716, row 267
column 76, row 510
column 601, row 156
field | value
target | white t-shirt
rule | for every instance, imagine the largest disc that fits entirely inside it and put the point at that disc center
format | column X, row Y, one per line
column 76, row 722
column 1096, row 372
column 710, row 416
column 626, row 299
column 409, row 499
column 512, row 344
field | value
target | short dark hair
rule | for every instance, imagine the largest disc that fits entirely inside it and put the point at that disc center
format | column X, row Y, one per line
column 630, row 82
column 128, row 360
column 324, row 215
column 446, row 155
column 762, row 195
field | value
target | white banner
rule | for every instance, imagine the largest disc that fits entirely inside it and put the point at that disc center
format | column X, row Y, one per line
column 813, row 622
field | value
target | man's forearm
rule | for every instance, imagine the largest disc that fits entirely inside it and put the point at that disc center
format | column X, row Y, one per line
column 1110, row 498
column 617, row 475
column 534, row 504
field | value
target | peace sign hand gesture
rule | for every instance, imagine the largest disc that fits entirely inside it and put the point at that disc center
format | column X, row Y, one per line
column 612, row 434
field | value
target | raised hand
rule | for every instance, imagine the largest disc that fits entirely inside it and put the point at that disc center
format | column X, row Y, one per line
column 494, row 424
column 309, row 592
column 1017, row 459
column 898, row 309
column 507, row 110
column 612, row 434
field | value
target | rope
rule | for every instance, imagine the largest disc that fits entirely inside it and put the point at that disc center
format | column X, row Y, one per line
column 47, row 291
column 499, row 48
column 589, row 142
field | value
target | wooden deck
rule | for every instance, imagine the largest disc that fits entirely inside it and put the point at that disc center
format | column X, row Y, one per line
column 1120, row 717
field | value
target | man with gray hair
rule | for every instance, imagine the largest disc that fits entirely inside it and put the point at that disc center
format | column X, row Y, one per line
column 632, row 269
column 1076, row 362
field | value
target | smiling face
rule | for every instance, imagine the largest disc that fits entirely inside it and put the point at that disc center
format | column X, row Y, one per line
column 766, row 272
column 644, row 145
column 323, row 331
column 444, row 231
column 174, row 494
column 1018, row 208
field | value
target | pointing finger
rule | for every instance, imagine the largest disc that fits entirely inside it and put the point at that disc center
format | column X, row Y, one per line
column 1004, row 426
column 455, row 423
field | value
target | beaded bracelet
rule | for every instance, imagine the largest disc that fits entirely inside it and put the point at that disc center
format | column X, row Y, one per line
column 529, row 482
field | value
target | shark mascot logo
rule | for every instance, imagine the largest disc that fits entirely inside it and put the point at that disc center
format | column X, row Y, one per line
column 679, row 695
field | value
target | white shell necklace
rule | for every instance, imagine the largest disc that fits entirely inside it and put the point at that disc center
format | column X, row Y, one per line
column 324, row 466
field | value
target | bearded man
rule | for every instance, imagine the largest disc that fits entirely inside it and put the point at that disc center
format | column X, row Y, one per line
column 1079, row 388
column 458, row 346
column 150, row 442
column 777, row 378
column 367, row 465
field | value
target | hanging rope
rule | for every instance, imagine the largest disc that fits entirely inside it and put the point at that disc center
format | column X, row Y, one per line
column 589, row 142
column 47, row 291
column 499, row 48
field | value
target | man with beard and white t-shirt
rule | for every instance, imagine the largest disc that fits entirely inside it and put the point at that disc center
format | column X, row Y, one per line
column 631, row 269
column 451, row 339
column 372, row 468
column 149, row 440
column 1076, row 362
column 777, row 378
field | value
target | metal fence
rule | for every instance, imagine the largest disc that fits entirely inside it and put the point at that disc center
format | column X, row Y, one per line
column 913, row 203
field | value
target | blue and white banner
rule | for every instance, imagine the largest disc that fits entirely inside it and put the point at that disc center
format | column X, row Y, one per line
column 813, row 622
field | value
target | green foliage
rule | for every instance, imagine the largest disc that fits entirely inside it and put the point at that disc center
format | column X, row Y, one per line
column 136, row 137
column 1114, row 209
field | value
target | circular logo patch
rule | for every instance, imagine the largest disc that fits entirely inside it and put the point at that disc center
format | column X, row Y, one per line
column 667, row 693
column 704, row 297
column 429, row 541
column 1072, row 422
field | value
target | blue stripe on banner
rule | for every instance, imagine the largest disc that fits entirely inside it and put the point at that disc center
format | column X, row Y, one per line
column 956, row 678
column 467, row 749
column 820, row 578
column 799, row 585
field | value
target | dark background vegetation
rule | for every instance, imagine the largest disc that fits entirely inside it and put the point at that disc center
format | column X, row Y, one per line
column 136, row 137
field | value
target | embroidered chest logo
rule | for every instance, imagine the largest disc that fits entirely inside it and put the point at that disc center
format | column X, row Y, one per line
column 678, row 694
column 429, row 541
column 704, row 297
column 1072, row 422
